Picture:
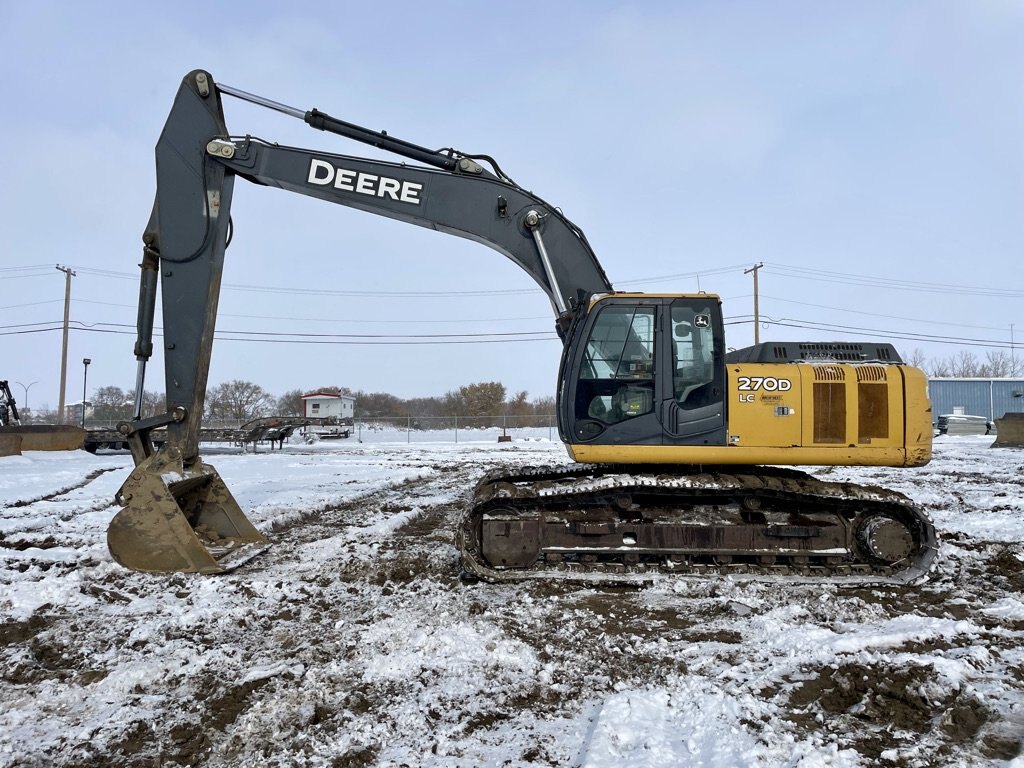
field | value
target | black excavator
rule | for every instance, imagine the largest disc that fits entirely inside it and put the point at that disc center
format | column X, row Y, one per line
column 8, row 408
column 677, row 442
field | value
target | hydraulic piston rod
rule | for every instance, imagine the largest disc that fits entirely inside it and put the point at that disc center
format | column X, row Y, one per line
column 147, row 308
column 533, row 219
column 324, row 122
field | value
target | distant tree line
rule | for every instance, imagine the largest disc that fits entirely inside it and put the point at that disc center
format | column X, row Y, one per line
column 966, row 365
column 236, row 402
column 485, row 403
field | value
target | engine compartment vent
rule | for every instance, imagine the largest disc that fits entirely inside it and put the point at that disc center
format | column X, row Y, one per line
column 816, row 351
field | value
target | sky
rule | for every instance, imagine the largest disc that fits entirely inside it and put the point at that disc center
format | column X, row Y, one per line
column 869, row 155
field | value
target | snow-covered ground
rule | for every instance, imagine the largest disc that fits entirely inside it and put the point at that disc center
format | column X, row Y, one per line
column 353, row 642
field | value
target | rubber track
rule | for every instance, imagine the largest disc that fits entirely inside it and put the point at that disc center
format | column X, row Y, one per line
column 549, row 490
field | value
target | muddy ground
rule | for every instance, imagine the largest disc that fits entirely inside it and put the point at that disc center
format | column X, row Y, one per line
column 353, row 642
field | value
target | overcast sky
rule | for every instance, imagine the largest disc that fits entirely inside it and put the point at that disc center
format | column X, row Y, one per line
column 871, row 155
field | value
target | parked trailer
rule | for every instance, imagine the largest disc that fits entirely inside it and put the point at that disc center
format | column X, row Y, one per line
column 273, row 429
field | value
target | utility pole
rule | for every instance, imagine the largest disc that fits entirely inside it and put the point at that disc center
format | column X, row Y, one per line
column 757, row 314
column 1013, row 354
column 68, row 274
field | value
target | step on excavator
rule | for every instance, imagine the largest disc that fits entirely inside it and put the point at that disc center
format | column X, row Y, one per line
column 684, row 453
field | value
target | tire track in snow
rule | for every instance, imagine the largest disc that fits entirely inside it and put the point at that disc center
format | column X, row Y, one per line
column 373, row 521
column 92, row 476
column 51, row 529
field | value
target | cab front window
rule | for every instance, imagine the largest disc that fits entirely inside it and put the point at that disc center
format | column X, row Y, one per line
column 617, row 375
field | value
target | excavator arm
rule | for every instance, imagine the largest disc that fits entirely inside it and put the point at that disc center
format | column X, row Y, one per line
column 188, row 231
column 184, row 245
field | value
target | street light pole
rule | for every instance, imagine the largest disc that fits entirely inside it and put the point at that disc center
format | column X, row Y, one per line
column 25, row 390
column 85, row 378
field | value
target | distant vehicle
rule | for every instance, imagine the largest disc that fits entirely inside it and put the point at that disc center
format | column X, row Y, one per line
column 962, row 424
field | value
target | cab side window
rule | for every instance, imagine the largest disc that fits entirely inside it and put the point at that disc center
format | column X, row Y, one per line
column 617, row 377
column 693, row 355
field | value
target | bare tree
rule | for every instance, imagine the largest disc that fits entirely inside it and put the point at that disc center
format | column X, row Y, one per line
column 153, row 403
column 544, row 406
column 369, row 404
column 997, row 365
column 291, row 403
column 517, row 407
column 918, row 359
column 485, row 398
column 964, row 365
column 238, row 401
column 111, row 404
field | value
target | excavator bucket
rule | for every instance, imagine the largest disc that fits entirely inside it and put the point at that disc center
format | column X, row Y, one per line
column 178, row 519
column 1010, row 431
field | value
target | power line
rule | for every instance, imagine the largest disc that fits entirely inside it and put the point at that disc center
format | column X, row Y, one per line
column 682, row 275
column 361, row 321
column 27, row 268
column 844, row 278
column 31, row 304
column 385, row 342
column 803, row 273
column 300, row 291
column 311, row 338
column 271, row 337
column 879, row 314
column 904, row 335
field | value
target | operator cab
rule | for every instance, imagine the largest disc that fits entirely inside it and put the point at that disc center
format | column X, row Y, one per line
column 646, row 370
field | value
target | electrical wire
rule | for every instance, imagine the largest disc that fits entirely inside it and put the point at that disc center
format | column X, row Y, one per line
column 27, row 267
column 890, row 334
column 878, row 314
column 683, row 275
column 270, row 337
column 301, row 338
column 844, row 278
column 801, row 272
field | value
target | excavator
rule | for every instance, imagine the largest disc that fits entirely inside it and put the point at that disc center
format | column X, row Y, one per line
column 684, row 452
column 8, row 408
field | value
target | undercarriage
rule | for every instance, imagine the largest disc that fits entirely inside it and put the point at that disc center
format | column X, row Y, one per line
column 619, row 523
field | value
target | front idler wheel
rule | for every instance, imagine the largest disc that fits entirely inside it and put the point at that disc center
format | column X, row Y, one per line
column 885, row 540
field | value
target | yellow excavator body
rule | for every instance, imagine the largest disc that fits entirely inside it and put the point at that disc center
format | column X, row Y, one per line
column 828, row 413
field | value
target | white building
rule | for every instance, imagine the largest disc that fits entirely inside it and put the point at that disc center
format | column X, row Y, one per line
column 325, row 405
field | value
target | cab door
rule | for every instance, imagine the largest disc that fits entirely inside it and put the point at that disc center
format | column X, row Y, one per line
column 610, row 388
column 693, row 376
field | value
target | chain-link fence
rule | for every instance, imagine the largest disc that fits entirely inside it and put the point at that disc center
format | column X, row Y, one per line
column 408, row 429
column 453, row 429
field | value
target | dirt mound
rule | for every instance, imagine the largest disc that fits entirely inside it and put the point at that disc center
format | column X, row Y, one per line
column 883, row 711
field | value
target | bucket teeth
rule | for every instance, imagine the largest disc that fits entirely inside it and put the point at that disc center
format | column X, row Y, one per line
column 178, row 519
